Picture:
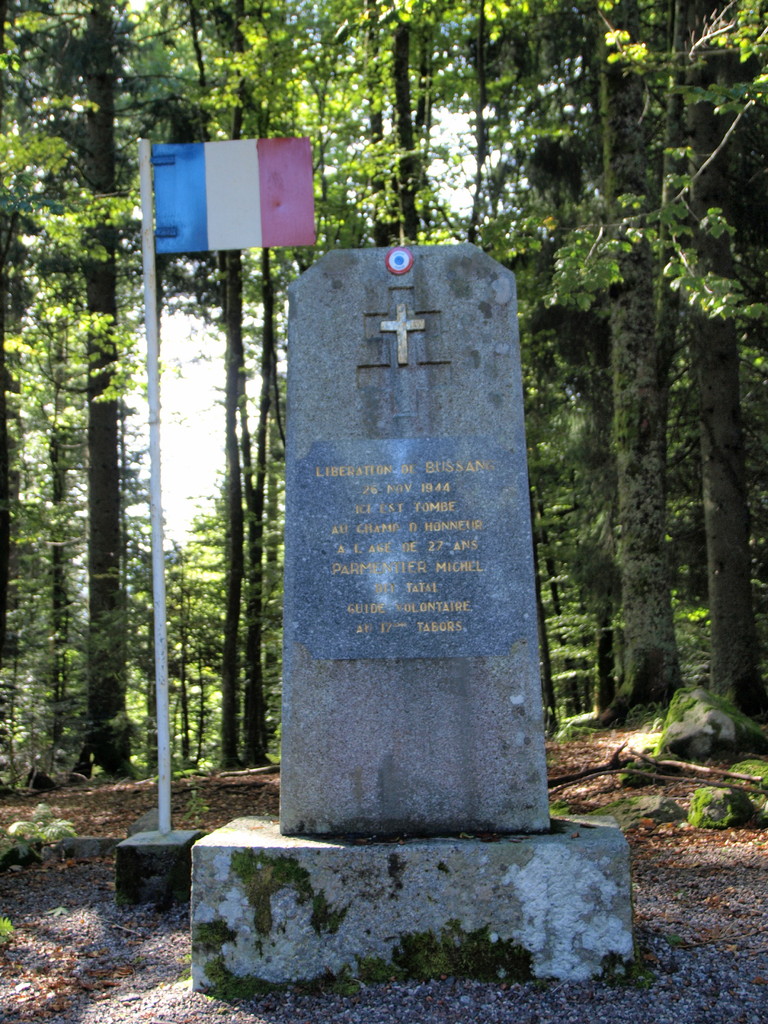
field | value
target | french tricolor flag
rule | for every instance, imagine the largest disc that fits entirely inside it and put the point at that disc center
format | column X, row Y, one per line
column 233, row 195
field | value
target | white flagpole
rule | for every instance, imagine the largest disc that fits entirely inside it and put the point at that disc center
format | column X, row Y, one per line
column 152, row 324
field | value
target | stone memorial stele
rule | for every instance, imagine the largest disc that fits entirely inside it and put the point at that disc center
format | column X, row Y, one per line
column 411, row 695
column 412, row 727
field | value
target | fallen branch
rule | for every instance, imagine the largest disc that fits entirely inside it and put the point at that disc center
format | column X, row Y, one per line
column 131, row 931
column 613, row 765
column 564, row 781
column 715, row 939
column 267, row 769
column 701, row 768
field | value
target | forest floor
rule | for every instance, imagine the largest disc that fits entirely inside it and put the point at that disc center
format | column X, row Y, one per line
column 701, row 911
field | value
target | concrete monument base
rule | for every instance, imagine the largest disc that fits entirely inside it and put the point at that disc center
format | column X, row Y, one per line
column 154, row 867
column 269, row 910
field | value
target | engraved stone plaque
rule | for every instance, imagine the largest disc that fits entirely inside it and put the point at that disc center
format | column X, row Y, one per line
column 407, row 548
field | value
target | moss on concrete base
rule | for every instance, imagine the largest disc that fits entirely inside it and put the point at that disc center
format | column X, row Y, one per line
column 310, row 911
column 479, row 954
column 263, row 875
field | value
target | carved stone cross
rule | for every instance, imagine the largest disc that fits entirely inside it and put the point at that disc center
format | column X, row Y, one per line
column 401, row 326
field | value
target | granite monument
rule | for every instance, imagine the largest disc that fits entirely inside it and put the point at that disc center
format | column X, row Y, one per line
column 414, row 834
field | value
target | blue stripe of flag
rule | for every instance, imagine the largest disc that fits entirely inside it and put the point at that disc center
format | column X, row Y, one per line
column 181, row 215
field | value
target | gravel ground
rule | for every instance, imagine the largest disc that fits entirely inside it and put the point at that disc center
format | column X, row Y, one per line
column 702, row 929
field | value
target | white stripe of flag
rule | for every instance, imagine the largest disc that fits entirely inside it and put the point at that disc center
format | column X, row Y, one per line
column 233, row 195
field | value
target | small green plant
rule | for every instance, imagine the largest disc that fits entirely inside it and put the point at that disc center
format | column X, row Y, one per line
column 44, row 827
column 649, row 717
column 196, row 806
column 6, row 930
column 21, row 841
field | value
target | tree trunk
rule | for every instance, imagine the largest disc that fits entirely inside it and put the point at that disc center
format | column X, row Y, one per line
column 235, row 520
column 408, row 164
column 547, row 686
column 734, row 667
column 59, row 595
column 107, row 741
column 6, row 228
column 481, row 129
column 651, row 670
column 382, row 226
column 255, row 724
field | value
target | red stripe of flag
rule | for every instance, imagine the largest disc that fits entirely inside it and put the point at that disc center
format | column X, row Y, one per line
column 287, row 196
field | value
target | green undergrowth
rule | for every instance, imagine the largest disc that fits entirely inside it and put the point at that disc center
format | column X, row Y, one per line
column 22, row 841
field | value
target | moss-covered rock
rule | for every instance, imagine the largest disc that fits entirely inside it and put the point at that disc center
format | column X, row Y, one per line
column 630, row 811
column 755, row 767
column 18, row 853
column 720, row 808
column 700, row 724
column 577, row 727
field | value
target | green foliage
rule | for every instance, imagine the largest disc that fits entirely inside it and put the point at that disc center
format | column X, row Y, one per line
column 43, row 827
column 6, row 930
column 196, row 807
column 21, row 841
column 508, row 148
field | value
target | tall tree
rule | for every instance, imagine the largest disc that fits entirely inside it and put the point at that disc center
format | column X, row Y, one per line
column 6, row 235
column 651, row 669
column 712, row 139
column 107, row 741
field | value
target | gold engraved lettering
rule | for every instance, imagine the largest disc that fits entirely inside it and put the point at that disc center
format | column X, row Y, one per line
column 440, row 627
column 435, row 506
column 454, row 524
column 408, row 545
column 391, row 507
column 430, row 488
column 334, row 471
column 434, row 606
column 420, row 587
column 377, row 527
column 458, row 567
column 447, row 466
column 398, row 488
column 378, row 549
column 362, row 510
column 341, row 528
column 376, row 568
column 365, row 609
column 465, row 545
